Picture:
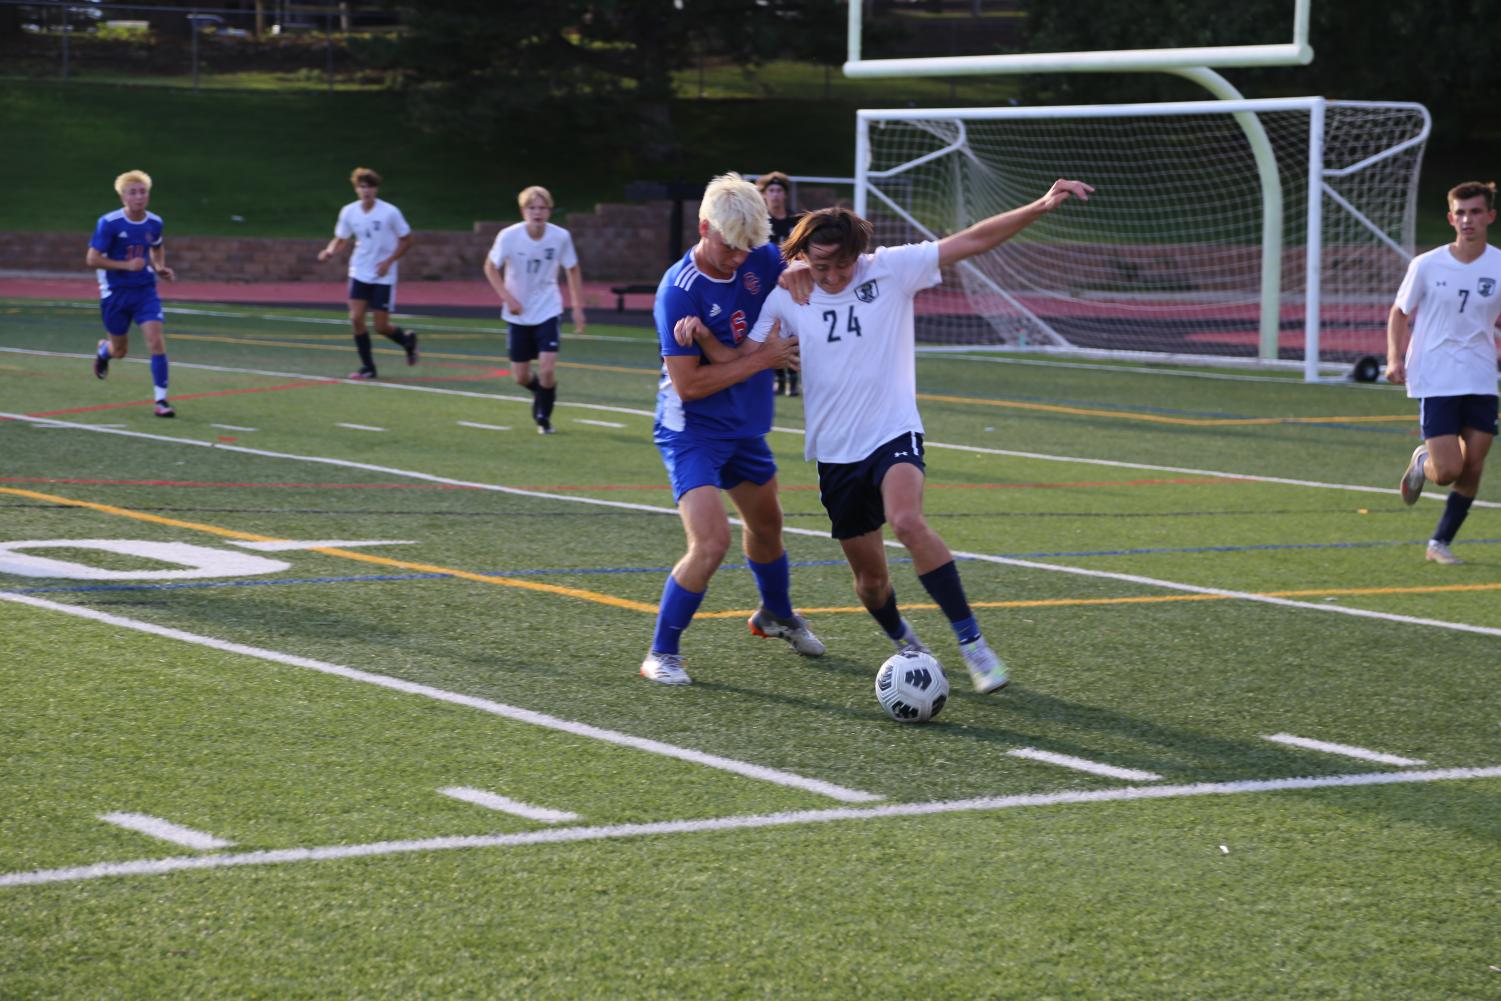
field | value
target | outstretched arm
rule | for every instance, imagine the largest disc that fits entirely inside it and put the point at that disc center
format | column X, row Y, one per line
column 991, row 233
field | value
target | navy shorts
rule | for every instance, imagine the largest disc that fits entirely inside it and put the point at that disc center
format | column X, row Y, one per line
column 379, row 297
column 1444, row 415
column 524, row 342
column 131, row 304
column 851, row 491
column 694, row 462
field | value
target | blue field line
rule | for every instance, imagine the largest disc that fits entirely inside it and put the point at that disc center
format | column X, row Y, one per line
column 1166, row 550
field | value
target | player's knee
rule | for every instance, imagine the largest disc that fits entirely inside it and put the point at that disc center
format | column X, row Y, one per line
column 871, row 588
column 118, row 349
column 709, row 551
column 908, row 526
column 1446, row 471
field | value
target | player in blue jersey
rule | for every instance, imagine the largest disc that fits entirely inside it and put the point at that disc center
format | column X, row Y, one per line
column 127, row 253
column 712, row 421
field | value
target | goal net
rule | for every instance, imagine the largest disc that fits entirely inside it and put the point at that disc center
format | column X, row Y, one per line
column 1273, row 229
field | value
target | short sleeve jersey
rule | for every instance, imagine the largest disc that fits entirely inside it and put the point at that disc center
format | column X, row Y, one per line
column 728, row 307
column 1453, row 347
column 375, row 234
column 119, row 239
column 531, row 270
column 858, row 352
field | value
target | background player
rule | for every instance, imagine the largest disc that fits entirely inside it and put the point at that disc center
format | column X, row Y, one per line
column 127, row 252
column 381, row 235
column 857, row 341
column 522, row 267
column 712, row 421
column 1450, row 360
column 776, row 191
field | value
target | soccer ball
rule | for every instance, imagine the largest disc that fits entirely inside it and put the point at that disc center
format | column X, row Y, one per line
column 911, row 687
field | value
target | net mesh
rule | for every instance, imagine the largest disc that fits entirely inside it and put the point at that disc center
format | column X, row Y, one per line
column 1167, row 256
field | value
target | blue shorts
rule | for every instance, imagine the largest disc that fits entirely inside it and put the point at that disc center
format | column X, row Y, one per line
column 694, row 462
column 1445, row 415
column 132, row 304
column 523, row 342
column 379, row 297
column 851, row 491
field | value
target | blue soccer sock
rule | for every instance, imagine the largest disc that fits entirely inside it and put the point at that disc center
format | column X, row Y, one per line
column 775, row 584
column 944, row 586
column 679, row 605
column 1456, row 509
column 889, row 618
column 104, row 351
column 159, row 375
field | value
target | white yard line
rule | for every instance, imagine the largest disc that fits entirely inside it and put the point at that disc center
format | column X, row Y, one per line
column 501, row 804
column 293, row 545
column 600, row 424
column 1330, row 609
column 1084, row 765
column 357, row 427
column 231, row 427
column 517, row 713
column 165, row 830
column 562, row 835
column 1346, row 750
column 484, row 427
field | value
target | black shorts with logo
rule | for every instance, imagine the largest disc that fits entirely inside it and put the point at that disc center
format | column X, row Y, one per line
column 851, row 491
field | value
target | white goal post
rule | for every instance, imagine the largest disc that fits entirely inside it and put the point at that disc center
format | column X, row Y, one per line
column 1230, row 229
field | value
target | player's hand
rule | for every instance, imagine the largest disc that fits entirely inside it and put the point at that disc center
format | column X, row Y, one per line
column 798, row 281
column 514, row 305
column 778, row 351
column 135, row 264
column 1062, row 190
column 687, row 330
column 324, row 254
column 382, row 268
column 1396, row 371
column 578, row 320
column 167, row 273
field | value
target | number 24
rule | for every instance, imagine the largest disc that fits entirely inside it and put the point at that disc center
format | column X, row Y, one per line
column 851, row 326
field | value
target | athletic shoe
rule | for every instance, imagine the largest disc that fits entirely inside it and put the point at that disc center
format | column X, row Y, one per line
column 411, row 346
column 1413, row 479
column 665, row 669
column 164, row 409
column 101, row 363
column 544, row 426
column 1439, row 552
column 909, row 643
column 365, row 372
column 794, row 630
column 985, row 668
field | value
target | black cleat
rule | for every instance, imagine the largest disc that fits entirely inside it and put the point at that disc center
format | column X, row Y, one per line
column 411, row 347
column 101, row 363
column 164, row 409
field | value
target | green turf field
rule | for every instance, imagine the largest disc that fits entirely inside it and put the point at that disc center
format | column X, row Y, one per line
column 370, row 650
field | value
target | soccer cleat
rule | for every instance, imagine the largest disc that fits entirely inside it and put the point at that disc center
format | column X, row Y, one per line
column 1439, row 552
column 909, row 643
column 544, row 426
column 665, row 669
column 101, row 363
column 985, row 668
column 164, row 409
column 1412, row 480
column 365, row 372
column 794, row 630
column 411, row 347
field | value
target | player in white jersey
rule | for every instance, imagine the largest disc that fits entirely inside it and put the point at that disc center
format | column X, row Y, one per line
column 1445, row 317
column 522, row 267
column 381, row 236
column 858, row 341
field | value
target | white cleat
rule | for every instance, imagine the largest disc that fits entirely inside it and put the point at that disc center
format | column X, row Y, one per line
column 665, row 669
column 1413, row 479
column 1438, row 552
column 909, row 641
column 985, row 668
column 794, row 630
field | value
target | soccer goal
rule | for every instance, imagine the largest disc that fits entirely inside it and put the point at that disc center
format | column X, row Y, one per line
column 1267, row 230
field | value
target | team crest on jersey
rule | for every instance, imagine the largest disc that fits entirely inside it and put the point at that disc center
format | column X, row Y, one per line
column 1486, row 286
column 867, row 292
column 752, row 283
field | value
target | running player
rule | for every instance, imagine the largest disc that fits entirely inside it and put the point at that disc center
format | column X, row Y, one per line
column 857, row 341
column 1450, row 360
column 381, row 235
column 522, row 267
column 127, row 253
column 712, row 421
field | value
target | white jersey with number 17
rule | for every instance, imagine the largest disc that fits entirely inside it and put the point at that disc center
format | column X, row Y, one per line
column 857, row 346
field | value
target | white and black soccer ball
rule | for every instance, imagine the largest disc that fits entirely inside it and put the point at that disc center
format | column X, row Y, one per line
column 912, row 687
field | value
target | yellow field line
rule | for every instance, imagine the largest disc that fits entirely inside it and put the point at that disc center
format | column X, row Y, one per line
column 230, row 533
column 1131, row 415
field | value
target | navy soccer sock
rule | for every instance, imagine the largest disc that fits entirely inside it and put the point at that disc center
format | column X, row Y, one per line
column 1456, row 508
column 944, row 586
column 362, row 345
column 888, row 617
